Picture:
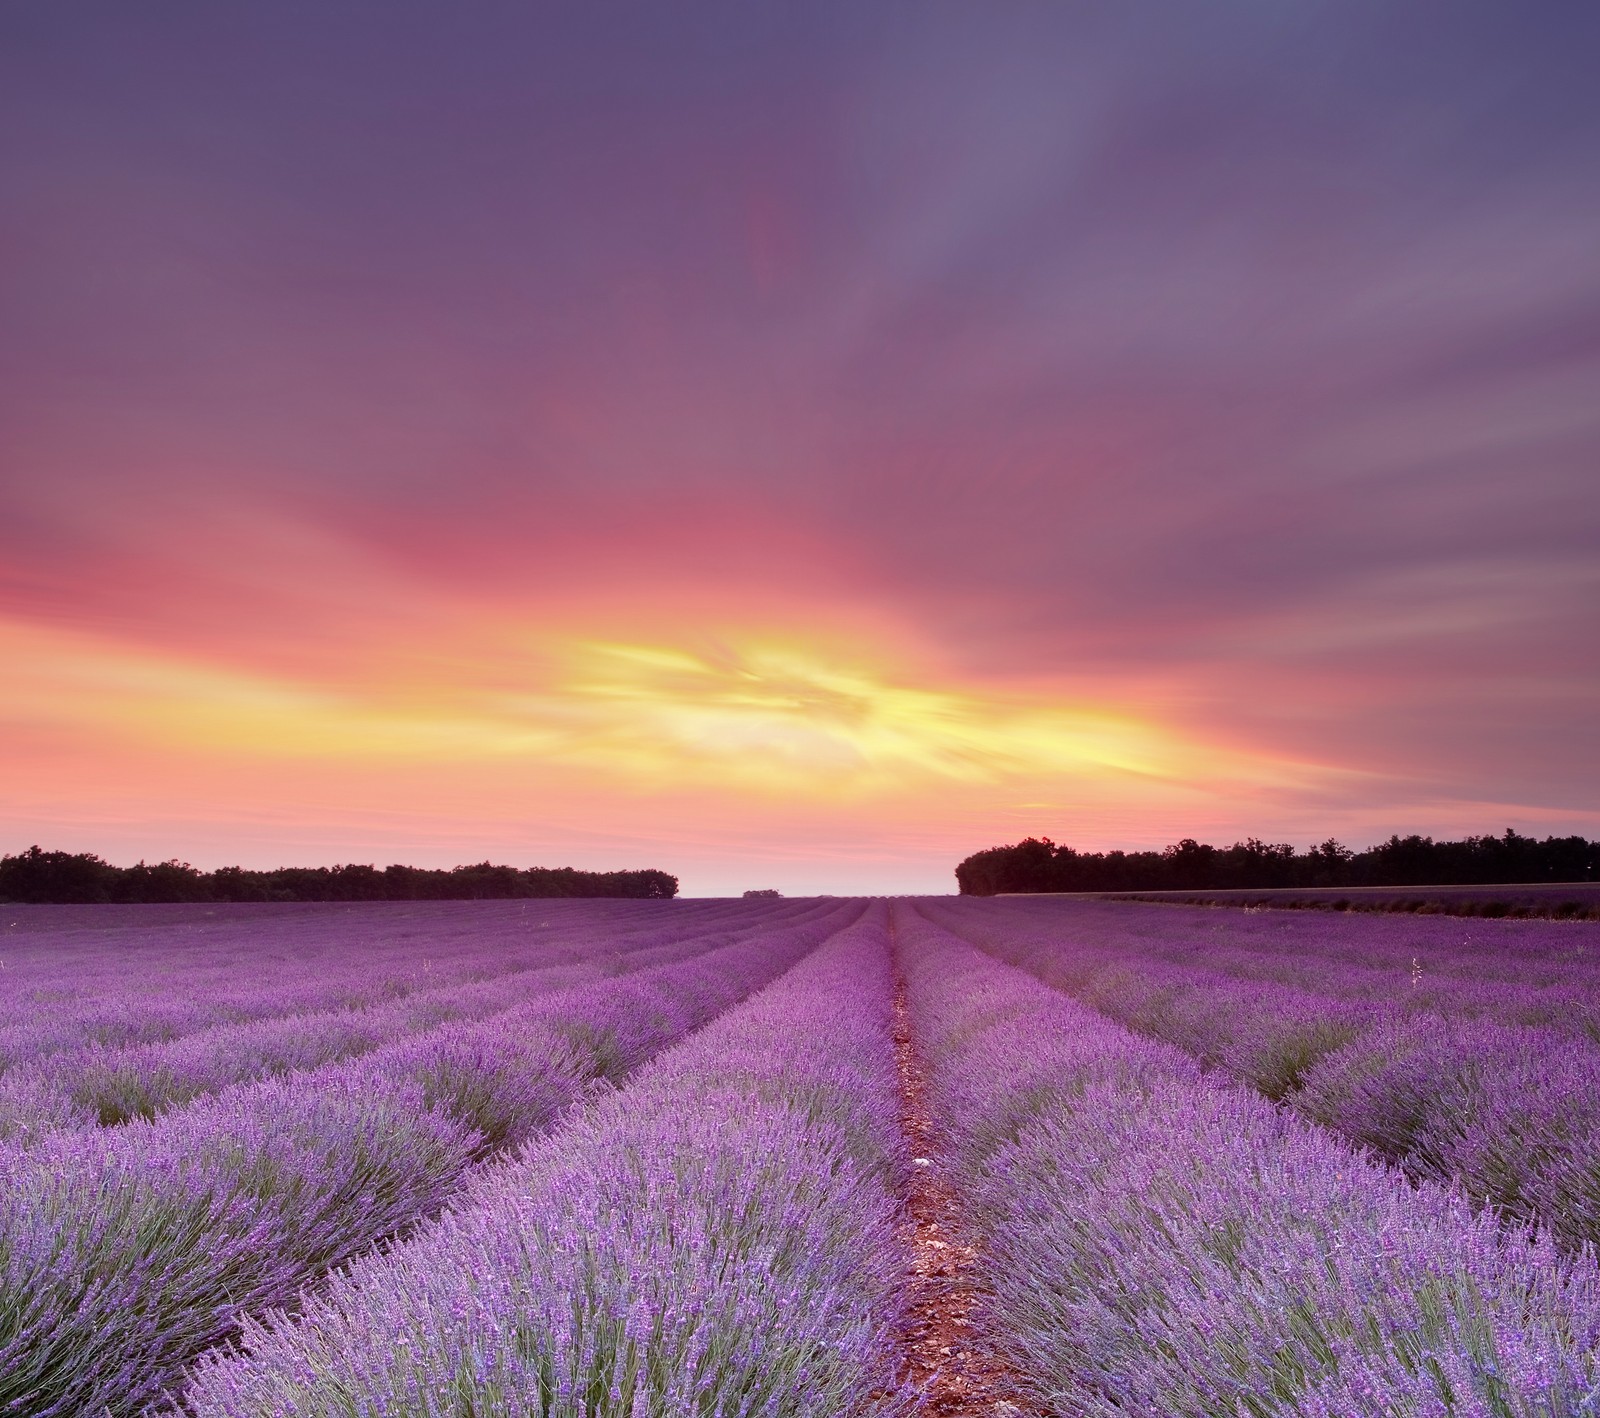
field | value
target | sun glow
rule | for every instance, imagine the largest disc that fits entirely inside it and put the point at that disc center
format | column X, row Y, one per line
column 494, row 738
column 791, row 717
column 754, row 713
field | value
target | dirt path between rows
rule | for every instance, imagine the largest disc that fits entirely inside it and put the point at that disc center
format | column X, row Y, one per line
column 957, row 1377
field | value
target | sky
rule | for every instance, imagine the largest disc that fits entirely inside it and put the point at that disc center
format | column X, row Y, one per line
column 795, row 445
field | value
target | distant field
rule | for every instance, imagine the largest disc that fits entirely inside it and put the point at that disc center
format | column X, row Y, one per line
column 1579, row 900
column 796, row 1159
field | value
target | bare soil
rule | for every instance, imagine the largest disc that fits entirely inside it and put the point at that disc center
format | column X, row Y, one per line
column 957, row 1376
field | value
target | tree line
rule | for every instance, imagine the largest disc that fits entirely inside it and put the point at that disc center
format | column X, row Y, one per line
column 1038, row 864
column 81, row 878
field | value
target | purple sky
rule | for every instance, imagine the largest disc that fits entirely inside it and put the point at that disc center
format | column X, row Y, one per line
column 1232, row 370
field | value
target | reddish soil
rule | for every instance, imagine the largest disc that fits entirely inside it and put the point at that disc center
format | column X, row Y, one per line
column 957, row 1377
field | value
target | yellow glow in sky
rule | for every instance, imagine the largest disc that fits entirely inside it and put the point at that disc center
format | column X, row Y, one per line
column 779, row 716
column 752, row 716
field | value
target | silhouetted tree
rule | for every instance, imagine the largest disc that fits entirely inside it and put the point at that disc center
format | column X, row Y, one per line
column 1037, row 864
column 72, row 878
column 63, row 877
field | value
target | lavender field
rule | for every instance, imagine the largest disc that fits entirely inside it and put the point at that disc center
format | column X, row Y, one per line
column 957, row 1156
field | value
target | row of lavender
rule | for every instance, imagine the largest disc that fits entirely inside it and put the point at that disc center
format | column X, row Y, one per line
column 1540, row 973
column 717, row 1238
column 76, row 1087
column 1511, row 1112
column 126, row 1251
column 119, row 976
column 1157, row 1241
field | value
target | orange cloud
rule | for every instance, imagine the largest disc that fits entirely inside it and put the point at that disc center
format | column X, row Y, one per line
column 754, row 719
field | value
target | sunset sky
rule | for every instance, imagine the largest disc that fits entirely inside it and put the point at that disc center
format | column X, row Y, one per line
column 795, row 445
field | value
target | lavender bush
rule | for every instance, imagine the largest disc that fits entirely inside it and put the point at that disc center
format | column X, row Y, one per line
column 1509, row 1112
column 1158, row 1243
column 125, row 1251
column 119, row 976
column 123, row 1255
column 114, row 1084
column 1512, row 1114
column 76, row 1087
column 508, row 1076
column 1544, row 974
column 715, row 1239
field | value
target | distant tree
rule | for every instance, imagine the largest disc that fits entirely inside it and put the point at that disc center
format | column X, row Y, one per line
column 1037, row 864
column 39, row 876
column 237, row 884
column 1327, row 864
column 1405, row 861
column 160, row 881
column 72, row 878
column 1190, row 865
column 765, row 893
column 1255, row 863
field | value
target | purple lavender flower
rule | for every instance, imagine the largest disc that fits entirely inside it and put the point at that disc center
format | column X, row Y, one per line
column 718, row 1237
column 1157, row 1241
column 125, row 1252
